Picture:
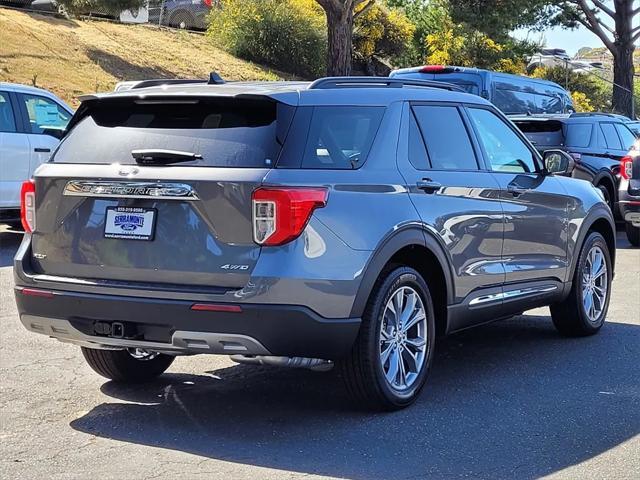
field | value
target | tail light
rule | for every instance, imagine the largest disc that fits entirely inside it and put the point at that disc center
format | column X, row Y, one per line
column 433, row 69
column 207, row 3
column 28, row 206
column 626, row 167
column 281, row 214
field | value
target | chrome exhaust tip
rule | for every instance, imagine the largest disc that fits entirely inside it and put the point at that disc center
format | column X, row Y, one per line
column 315, row 364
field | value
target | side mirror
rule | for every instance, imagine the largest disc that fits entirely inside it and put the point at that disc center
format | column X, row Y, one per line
column 558, row 162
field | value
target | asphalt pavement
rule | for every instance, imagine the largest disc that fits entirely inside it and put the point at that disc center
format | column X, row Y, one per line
column 508, row 400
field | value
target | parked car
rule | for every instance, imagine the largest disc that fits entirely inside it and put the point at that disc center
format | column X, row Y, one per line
column 347, row 220
column 596, row 141
column 513, row 94
column 629, row 195
column 32, row 122
column 186, row 14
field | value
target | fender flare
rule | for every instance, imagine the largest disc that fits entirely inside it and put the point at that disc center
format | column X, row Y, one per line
column 598, row 212
column 610, row 178
column 388, row 247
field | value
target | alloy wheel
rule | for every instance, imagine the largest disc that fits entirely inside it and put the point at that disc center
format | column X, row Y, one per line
column 594, row 284
column 403, row 338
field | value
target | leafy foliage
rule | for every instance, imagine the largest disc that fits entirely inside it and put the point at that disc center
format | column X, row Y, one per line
column 381, row 32
column 286, row 34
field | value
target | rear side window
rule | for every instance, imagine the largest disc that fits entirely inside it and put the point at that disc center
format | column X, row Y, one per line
column 627, row 137
column 611, row 136
column 340, row 137
column 7, row 120
column 579, row 135
column 227, row 132
column 446, row 138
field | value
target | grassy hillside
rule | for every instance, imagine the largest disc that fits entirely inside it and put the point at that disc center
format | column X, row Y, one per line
column 72, row 57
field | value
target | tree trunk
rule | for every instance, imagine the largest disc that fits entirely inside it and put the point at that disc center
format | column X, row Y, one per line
column 340, row 42
column 622, row 100
column 623, row 79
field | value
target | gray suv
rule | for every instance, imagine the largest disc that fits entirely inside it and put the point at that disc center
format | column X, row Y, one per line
column 349, row 220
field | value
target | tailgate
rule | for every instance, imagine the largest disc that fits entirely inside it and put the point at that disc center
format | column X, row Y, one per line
column 104, row 214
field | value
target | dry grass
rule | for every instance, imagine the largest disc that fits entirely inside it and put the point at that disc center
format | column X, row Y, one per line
column 72, row 57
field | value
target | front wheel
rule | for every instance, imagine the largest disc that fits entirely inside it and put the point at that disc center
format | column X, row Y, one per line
column 390, row 360
column 133, row 365
column 633, row 234
column 583, row 312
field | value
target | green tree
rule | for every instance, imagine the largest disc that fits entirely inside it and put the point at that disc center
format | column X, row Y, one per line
column 380, row 33
column 340, row 18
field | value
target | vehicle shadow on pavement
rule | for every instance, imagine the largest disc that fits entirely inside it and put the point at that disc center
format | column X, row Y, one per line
column 9, row 242
column 511, row 399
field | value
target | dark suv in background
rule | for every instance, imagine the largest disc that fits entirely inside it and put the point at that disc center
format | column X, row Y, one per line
column 348, row 220
column 596, row 141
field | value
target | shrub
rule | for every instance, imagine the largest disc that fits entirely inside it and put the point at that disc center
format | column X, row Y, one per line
column 382, row 32
column 289, row 35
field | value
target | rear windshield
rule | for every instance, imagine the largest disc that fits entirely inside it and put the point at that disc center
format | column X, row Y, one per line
column 545, row 133
column 226, row 132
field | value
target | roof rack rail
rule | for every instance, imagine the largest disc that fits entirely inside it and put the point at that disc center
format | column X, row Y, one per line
column 594, row 114
column 373, row 82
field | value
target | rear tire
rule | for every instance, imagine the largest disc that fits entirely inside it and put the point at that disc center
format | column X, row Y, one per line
column 583, row 312
column 633, row 234
column 390, row 360
column 123, row 366
column 607, row 197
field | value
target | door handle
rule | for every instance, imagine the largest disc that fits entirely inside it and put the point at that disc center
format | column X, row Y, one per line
column 515, row 190
column 42, row 150
column 428, row 186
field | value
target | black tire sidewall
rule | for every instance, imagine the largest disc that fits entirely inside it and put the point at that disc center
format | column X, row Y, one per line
column 402, row 276
column 633, row 234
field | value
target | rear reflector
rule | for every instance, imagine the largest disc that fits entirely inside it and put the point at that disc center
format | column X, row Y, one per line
column 626, row 167
column 211, row 307
column 28, row 206
column 32, row 292
column 281, row 214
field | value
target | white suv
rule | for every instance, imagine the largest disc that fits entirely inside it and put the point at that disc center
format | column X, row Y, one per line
column 32, row 122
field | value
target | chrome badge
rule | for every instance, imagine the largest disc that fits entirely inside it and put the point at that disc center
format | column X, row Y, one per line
column 152, row 190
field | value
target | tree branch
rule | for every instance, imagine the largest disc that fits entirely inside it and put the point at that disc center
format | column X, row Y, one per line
column 635, row 37
column 604, row 8
column 593, row 24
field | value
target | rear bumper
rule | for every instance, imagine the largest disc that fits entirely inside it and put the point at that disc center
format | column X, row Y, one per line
column 629, row 207
column 171, row 326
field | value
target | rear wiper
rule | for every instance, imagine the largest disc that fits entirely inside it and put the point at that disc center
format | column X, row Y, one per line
column 163, row 157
